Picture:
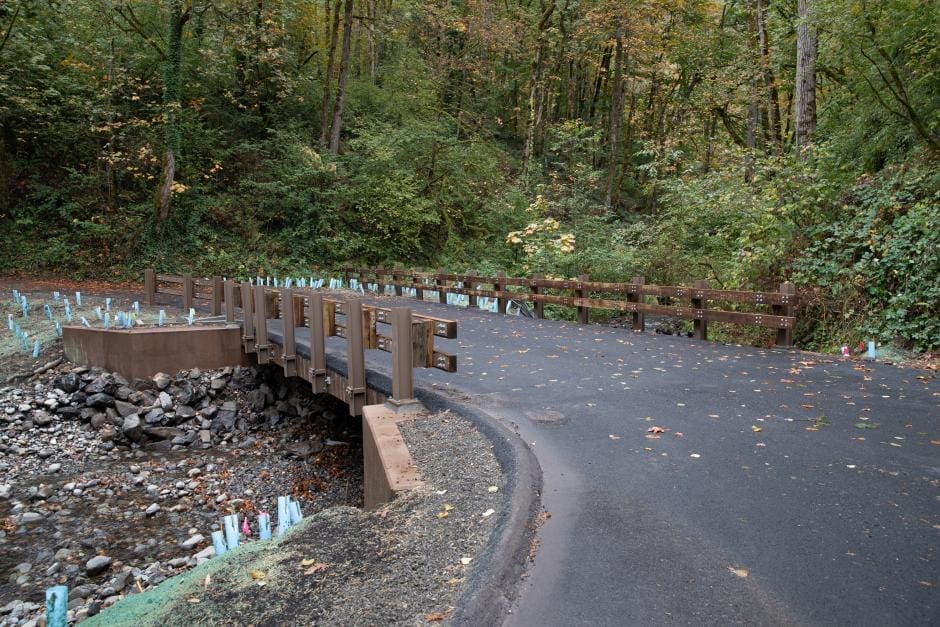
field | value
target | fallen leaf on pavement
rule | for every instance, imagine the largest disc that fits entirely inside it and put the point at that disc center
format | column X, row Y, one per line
column 489, row 513
column 466, row 560
column 308, row 562
column 435, row 617
column 678, row 434
column 740, row 572
column 614, row 437
column 656, row 430
column 756, row 429
column 257, row 574
column 695, row 455
column 319, row 567
column 443, row 514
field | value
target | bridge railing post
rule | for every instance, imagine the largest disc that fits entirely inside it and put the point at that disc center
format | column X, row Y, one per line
column 472, row 298
column 317, row 343
column 402, row 358
column 639, row 318
column 396, row 278
column 150, row 286
column 699, row 304
column 248, row 318
column 261, row 325
column 499, row 286
column 187, row 289
column 289, row 356
column 355, row 358
column 536, row 289
column 785, row 335
column 229, row 289
column 582, row 292
column 441, row 285
column 217, row 296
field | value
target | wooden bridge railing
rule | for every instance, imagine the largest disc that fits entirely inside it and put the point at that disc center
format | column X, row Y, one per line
column 410, row 340
column 696, row 303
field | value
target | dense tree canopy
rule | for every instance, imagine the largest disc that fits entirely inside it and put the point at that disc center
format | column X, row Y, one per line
column 742, row 141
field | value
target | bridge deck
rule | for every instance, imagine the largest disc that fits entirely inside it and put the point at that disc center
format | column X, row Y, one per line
column 762, row 470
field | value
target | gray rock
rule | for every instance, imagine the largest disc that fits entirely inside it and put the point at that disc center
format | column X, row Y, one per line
column 5, row 490
column 205, row 436
column 99, row 401
column 163, row 433
column 97, row 565
column 154, row 416
column 166, row 401
column 41, row 418
column 218, row 383
column 192, row 541
column 132, row 428
column 29, row 517
column 124, row 409
column 68, row 383
column 161, row 381
column 54, row 468
column 99, row 420
column 152, row 509
column 185, row 412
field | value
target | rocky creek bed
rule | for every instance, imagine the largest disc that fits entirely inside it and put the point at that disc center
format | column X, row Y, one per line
column 110, row 486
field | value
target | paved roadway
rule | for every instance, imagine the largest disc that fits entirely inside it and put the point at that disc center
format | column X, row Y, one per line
column 785, row 488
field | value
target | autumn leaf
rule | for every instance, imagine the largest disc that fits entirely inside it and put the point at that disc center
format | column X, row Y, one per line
column 435, row 617
column 740, row 572
column 655, row 429
column 257, row 574
column 318, row 567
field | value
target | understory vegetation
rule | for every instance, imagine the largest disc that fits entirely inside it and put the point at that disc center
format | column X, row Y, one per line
column 746, row 142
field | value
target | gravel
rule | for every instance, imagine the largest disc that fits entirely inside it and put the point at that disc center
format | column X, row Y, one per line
column 403, row 564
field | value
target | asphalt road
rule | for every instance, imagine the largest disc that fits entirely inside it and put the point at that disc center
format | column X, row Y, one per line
column 784, row 488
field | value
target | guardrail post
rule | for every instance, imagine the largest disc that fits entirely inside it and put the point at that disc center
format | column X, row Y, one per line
column 317, row 343
column 402, row 360
column 229, row 289
column 261, row 326
column 289, row 356
column 248, row 318
column 217, row 296
column 785, row 335
column 582, row 292
column 380, row 279
column 499, row 286
column 396, row 278
column 187, row 292
column 536, row 289
column 471, row 298
column 355, row 358
column 150, row 286
column 699, row 304
column 639, row 318
column 418, row 284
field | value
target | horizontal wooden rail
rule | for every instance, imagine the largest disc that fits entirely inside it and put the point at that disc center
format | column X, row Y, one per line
column 697, row 303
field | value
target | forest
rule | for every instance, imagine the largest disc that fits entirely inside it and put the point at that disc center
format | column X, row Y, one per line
column 746, row 142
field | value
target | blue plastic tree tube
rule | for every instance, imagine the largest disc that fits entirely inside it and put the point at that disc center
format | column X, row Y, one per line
column 57, row 602
column 264, row 526
column 283, row 516
column 218, row 543
column 295, row 515
column 231, row 531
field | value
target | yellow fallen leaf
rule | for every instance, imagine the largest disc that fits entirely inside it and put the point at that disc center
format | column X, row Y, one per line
column 257, row 574
column 655, row 429
column 443, row 514
column 740, row 572
column 448, row 507
column 308, row 562
column 756, row 429
column 194, row 600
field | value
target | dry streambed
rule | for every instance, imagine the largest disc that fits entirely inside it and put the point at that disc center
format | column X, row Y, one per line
column 110, row 487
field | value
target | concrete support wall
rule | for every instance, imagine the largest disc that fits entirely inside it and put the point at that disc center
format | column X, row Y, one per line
column 389, row 468
column 141, row 353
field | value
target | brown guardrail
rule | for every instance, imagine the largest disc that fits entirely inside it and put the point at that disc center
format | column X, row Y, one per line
column 696, row 303
column 410, row 340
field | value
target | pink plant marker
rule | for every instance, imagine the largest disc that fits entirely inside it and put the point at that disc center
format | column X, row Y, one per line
column 245, row 528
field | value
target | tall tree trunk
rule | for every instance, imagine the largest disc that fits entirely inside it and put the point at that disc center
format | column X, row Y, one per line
column 805, row 75
column 171, row 108
column 328, row 76
column 370, row 8
column 616, row 121
column 535, row 81
column 770, row 82
column 343, row 76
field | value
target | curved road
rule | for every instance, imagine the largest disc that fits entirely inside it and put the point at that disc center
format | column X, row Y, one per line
column 784, row 488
